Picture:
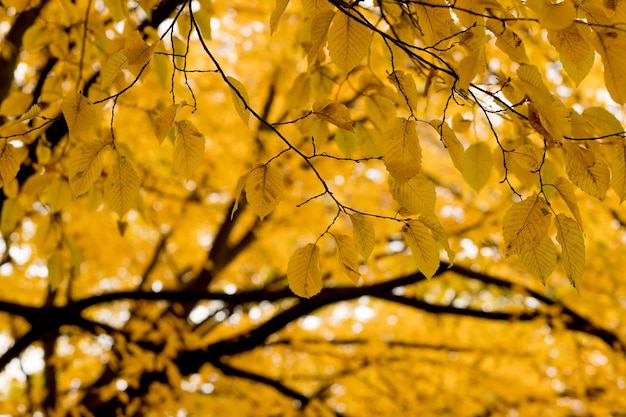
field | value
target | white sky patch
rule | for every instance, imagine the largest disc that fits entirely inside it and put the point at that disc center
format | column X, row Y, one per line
column 470, row 250
column 310, row 322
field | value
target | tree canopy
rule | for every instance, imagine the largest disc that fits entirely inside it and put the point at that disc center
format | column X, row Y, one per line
column 312, row 207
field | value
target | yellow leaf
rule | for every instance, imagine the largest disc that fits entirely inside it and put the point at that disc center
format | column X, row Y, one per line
column 453, row 145
column 477, row 163
column 553, row 16
column 346, row 251
column 541, row 260
column 79, row 115
column 531, row 76
column 439, row 233
column 566, row 191
column 59, row 195
column 611, row 44
column 203, row 20
column 118, row 9
column 241, row 183
column 303, row 271
column 554, row 116
column 240, row 99
column 589, row 174
column 165, row 120
column 32, row 112
column 278, row 12
column 313, row 7
column 55, row 269
column 9, row 162
column 85, row 165
column 264, row 189
column 36, row 36
column 363, row 233
column 525, row 224
column 602, row 121
column 417, row 195
column 121, row 188
column 348, row 41
column 369, row 141
column 319, row 34
column 48, row 235
column 188, row 148
column 16, row 104
column 434, row 20
column 528, row 156
column 137, row 51
column 423, row 247
column 407, row 90
column 12, row 213
column 334, row 113
column 575, row 52
column 402, row 150
column 618, row 169
column 116, row 63
column 35, row 184
column 346, row 141
column 508, row 41
column 572, row 242
column 471, row 65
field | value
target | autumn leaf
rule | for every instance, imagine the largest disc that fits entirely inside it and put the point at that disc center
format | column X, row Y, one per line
column 540, row 260
column 55, row 269
column 609, row 43
column 407, row 90
column 477, row 163
column 417, row 195
column 348, row 41
column 402, row 150
column 79, row 115
column 439, row 233
column 16, row 104
column 525, row 224
column 319, row 33
column 348, row 257
column 363, row 231
column 508, row 41
column 435, row 22
column 9, row 162
column 85, row 166
column 590, row 175
column 334, row 113
column 554, row 16
column 451, row 142
column 528, row 156
column 165, row 120
column 277, row 14
column 59, row 195
column 137, row 51
column 188, row 147
column 240, row 98
column 423, row 247
column 121, row 187
column 566, row 191
column 114, row 65
column 570, row 237
column 241, row 183
column 32, row 112
column 576, row 54
column 618, row 170
column 303, row 271
column 264, row 189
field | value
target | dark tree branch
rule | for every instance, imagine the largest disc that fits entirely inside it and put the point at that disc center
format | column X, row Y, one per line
column 277, row 385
